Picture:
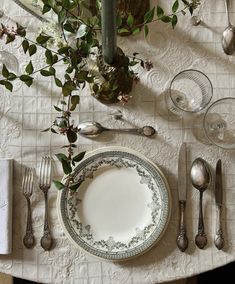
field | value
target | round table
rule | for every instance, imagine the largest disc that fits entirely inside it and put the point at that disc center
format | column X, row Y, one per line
column 27, row 111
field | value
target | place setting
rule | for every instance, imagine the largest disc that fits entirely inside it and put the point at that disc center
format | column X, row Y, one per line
column 100, row 182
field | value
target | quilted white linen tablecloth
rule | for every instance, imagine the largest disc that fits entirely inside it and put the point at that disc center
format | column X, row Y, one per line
column 26, row 111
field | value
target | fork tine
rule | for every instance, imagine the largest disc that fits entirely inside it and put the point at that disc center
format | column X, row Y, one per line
column 45, row 172
column 48, row 176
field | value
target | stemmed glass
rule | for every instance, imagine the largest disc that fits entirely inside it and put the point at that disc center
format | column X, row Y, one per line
column 219, row 123
column 190, row 92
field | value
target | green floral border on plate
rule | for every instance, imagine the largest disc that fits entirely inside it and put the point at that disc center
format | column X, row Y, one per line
column 144, row 239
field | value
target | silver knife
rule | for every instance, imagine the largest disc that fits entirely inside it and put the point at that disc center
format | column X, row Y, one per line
column 182, row 240
column 219, row 239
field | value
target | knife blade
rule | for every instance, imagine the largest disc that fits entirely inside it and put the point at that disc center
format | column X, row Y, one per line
column 182, row 173
column 218, row 184
column 182, row 240
column 219, row 239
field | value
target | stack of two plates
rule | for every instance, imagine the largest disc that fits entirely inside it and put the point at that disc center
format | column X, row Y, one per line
column 121, row 208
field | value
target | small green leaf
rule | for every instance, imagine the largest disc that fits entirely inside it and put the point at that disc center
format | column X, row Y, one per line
column 28, row 80
column 57, row 108
column 75, row 99
column 20, row 30
column 71, row 135
column 160, row 12
column 123, row 31
column 61, row 157
column 66, row 167
column 41, row 39
column 166, row 19
column 136, row 31
column 174, row 21
column 79, row 157
column 5, row 71
column 45, row 73
column 130, row 21
column 58, row 82
column 8, row 86
column 148, row 17
column 53, row 131
column 29, row 68
column 45, row 130
column 46, row 9
column 59, row 185
column 10, row 38
column 146, row 30
column 52, row 71
column 49, row 57
column 32, row 49
column 11, row 76
column 175, row 6
column 25, row 45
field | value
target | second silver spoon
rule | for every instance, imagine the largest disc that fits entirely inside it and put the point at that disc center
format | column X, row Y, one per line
column 200, row 177
column 228, row 37
column 92, row 129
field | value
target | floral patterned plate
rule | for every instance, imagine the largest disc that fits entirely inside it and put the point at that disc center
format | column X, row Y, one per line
column 121, row 208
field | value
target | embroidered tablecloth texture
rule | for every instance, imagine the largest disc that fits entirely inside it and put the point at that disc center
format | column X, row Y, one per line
column 27, row 111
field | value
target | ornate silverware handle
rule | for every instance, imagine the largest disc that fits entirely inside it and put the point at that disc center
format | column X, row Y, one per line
column 219, row 239
column 46, row 240
column 182, row 240
column 145, row 130
column 201, row 239
column 28, row 239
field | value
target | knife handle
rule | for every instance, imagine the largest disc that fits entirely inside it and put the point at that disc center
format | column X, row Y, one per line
column 182, row 240
column 219, row 239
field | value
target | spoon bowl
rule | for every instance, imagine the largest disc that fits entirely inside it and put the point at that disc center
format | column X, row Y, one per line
column 200, row 178
column 92, row 129
column 228, row 36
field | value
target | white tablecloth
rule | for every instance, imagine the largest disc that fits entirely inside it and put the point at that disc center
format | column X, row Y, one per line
column 27, row 111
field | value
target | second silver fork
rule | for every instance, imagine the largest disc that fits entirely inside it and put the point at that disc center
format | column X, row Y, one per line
column 45, row 184
column 27, row 186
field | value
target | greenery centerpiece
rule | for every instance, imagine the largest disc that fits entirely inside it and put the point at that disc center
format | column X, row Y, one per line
column 75, row 42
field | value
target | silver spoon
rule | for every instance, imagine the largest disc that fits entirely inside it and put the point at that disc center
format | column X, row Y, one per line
column 92, row 129
column 228, row 37
column 200, row 177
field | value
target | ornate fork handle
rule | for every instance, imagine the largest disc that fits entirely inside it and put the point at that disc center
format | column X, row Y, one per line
column 46, row 240
column 28, row 239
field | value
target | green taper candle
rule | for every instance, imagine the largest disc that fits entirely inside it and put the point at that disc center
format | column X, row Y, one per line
column 109, row 30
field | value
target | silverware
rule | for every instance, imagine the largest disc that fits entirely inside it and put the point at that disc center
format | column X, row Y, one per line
column 27, row 186
column 45, row 184
column 92, row 129
column 228, row 37
column 182, row 240
column 219, row 239
column 200, row 177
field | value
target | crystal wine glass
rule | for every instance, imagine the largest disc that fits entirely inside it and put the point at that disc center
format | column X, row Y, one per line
column 190, row 92
column 219, row 123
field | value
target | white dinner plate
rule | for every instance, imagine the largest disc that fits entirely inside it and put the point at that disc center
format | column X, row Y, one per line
column 121, row 208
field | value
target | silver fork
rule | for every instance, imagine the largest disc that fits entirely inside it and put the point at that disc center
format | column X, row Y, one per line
column 45, row 184
column 27, row 186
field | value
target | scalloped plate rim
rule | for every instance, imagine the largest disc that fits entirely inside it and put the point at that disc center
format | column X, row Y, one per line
column 133, row 152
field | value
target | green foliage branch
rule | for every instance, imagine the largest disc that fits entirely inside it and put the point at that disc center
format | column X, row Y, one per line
column 75, row 58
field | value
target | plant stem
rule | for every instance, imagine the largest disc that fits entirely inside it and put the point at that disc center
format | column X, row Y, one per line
column 55, row 52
